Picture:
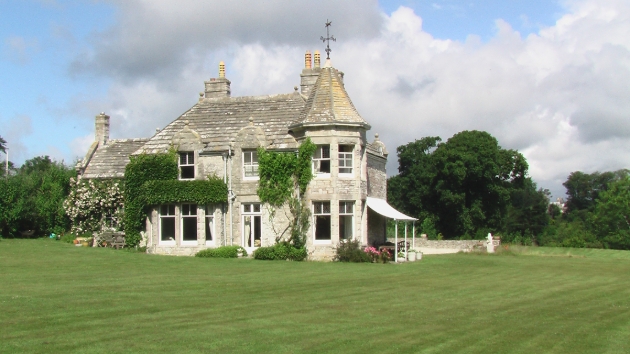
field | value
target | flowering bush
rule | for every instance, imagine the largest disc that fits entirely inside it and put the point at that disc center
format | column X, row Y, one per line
column 378, row 256
column 94, row 205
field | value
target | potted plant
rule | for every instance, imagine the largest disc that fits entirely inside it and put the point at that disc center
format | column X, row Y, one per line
column 239, row 252
column 401, row 256
column 411, row 255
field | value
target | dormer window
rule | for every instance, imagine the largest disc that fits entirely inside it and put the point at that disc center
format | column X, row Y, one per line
column 345, row 159
column 250, row 164
column 187, row 165
column 321, row 160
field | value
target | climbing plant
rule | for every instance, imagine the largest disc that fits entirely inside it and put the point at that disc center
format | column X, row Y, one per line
column 284, row 177
column 93, row 205
column 151, row 179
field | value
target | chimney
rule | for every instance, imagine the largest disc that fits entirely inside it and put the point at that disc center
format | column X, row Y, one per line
column 102, row 128
column 309, row 75
column 219, row 87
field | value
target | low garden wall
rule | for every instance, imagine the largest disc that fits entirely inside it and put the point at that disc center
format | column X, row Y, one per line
column 426, row 246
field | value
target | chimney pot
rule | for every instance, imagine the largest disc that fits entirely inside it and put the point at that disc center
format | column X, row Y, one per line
column 101, row 124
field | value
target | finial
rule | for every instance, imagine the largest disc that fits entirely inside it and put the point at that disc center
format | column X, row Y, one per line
column 251, row 121
column 295, row 88
column 307, row 60
column 376, row 136
column 186, row 122
column 317, row 58
column 102, row 113
column 200, row 94
column 221, row 69
column 328, row 38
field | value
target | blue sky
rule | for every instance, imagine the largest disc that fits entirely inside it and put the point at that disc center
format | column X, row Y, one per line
column 544, row 77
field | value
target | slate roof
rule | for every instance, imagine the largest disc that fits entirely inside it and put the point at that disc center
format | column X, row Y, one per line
column 109, row 160
column 218, row 120
column 329, row 102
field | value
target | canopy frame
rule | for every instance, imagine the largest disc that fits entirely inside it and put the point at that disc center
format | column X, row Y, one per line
column 381, row 207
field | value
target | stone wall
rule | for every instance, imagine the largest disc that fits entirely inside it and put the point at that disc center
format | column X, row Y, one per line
column 377, row 177
column 422, row 244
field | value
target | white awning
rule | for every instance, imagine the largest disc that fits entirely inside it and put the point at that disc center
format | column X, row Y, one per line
column 380, row 206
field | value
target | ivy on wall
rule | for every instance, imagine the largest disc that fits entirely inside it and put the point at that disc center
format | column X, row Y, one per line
column 283, row 179
column 151, row 179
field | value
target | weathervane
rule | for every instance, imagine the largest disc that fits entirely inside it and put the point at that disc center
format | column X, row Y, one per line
column 328, row 38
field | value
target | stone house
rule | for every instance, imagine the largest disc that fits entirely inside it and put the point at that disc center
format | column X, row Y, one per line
column 219, row 135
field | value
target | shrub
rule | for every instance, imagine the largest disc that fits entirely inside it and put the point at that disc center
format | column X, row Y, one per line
column 281, row 251
column 221, row 252
column 350, row 251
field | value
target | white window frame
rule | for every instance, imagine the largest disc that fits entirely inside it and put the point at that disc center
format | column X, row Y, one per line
column 345, row 157
column 187, row 156
column 252, row 210
column 171, row 242
column 318, row 160
column 346, row 208
column 319, row 209
column 183, row 216
column 252, row 154
column 210, row 218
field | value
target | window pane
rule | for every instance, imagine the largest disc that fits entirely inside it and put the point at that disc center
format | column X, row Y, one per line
column 188, row 172
column 322, row 227
column 189, row 228
column 325, row 152
column 256, row 208
column 209, row 227
column 345, row 227
column 167, row 229
column 324, row 166
column 247, row 157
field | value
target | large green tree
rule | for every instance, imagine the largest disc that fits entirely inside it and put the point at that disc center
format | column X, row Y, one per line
column 584, row 189
column 464, row 184
column 611, row 217
column 32, row 198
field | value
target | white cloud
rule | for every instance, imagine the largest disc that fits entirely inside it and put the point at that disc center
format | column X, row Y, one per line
column 560, row 96
column 20, row 49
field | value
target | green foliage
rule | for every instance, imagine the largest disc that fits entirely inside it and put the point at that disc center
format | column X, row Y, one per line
column 464, row 184
column 151, row 179
column 32, row 198
column 221, row 252
column 3, row 145
column 350, row 251
column 283, row 179
column 94, row 205
column 428, row 227
column 612, row 215
column 208, row 191
column 528, row 211
column 281, row 251
column 583, row 190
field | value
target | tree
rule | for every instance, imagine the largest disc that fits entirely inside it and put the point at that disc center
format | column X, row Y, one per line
column 612, row 215
column 584, row 189
column 3, row 145
column 464, row 184
column 528, row 212
column 32, row 199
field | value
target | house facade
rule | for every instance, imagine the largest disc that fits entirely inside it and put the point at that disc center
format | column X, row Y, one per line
column 219, row 136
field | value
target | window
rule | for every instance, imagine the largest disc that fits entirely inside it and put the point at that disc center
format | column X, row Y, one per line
column 321, row 159
column 250, row 164
column 252, row 224
column 321, row 213
column 209, row 224
column 346, row 225
column 187, row 165
column 189, row 223
column 167, row 223
column 345, row 158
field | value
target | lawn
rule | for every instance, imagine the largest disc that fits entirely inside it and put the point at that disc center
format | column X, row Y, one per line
column 57, row 298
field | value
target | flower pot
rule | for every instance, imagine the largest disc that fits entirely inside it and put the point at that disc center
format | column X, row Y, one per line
column 419, row 256
column 85, row 243
column 411, row 256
